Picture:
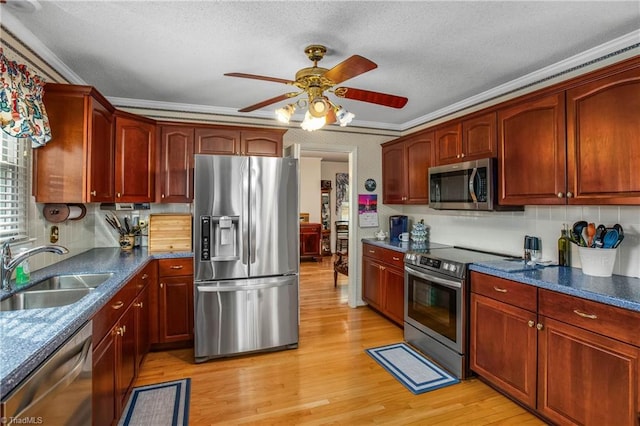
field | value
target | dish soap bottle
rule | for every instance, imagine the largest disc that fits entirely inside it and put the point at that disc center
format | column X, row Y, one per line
column 564, row 248
column 23, row 273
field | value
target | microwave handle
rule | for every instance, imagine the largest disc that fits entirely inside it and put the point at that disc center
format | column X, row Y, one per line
column 472, row 190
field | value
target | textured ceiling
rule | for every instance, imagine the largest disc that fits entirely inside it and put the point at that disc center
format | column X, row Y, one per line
column 437, row 54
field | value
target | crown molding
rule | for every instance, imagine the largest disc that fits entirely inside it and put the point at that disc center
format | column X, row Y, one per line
column 605, row 50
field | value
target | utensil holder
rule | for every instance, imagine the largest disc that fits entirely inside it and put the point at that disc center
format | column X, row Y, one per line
column 127, row 242
column 597, row 262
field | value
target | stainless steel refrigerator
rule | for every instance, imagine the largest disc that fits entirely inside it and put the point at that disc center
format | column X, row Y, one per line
column 246, row 239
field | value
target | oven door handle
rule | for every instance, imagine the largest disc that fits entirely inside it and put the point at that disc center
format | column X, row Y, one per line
column 446, row 283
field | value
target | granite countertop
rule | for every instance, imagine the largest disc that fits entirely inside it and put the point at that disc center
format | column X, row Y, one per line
column 29, row 336
column 402, row 246
column 616, row 290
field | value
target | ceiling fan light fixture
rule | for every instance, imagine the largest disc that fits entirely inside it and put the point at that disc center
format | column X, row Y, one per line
column 311, row 123
column 319, row 106
column 344, row 117
column 284, row 114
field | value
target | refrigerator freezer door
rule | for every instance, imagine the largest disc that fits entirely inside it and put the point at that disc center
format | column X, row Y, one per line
column 221, row 217
column 239, row 316
column 274, row 224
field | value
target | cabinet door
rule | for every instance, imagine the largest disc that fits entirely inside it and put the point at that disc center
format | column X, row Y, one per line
column 586, row 378
column 603, row 130
column 371, row 282
column 101, row 154
column 448, row 144
column 135, row 160
column 310, row 237
column 104, row 407
column 176, row 164
column 479, row 137
column 393, row 174
column 126, row 352
column 503, row 347
column 418, row 158
column 176, row 308
column 143, row 341
column 532, row 152
column 217, row 141
column 393, row 305
column 263, row 143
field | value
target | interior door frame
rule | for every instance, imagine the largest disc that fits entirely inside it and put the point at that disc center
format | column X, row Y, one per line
column 297, row 150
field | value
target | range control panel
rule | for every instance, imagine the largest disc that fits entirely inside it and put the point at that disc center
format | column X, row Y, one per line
column 447, row 267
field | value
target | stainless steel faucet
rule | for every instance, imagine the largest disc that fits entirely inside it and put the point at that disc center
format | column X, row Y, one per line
column 10, row 263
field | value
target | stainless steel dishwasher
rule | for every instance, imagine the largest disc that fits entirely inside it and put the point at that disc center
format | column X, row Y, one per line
column 58, row 392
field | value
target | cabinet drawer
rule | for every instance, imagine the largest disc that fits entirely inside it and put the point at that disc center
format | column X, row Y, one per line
column 521, row 295
column 391, row 257
column 109, row 314
column 618, row 323
column 175, row 267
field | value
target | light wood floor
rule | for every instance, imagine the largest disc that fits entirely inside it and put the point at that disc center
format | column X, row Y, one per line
column 329, row 379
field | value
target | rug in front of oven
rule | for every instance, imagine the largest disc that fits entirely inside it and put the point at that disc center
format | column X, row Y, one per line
column 413, row 370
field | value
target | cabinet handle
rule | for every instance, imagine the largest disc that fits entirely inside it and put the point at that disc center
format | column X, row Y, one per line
column 119, row 304
column 569, row 194
column 462, row 155
column 124, row 329
column 94, row 193
column 161, row 285
column 372, row 251
column 458, row 156
column 583, row 315
column 560, row 195
column 144, row 276
column 176, row 267
column 120, row 331
column 139, row 305
column 500, row 290
column 118, row 195
column 531, row 323
column 382, row 268
column 539, row 326
column 395, row 258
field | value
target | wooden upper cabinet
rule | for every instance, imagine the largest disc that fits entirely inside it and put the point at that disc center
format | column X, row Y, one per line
column 405, row 167
column 135, row 158
column 532, row 151
column 479, row 137
column 209, row 140
column 175, row 172
column 77, row 165
column 267, row 143
column 240, row 141
column 448, row 145
column 603, row 140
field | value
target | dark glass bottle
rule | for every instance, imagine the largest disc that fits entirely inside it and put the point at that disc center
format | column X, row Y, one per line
column 564, row 249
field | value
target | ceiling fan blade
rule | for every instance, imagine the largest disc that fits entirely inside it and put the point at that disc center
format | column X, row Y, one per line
column 259, row 77
column 330, row 118
column 384, row 99
column 350, row 68
column 269, row 102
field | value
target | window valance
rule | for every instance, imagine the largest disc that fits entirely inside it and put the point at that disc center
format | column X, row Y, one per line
column 22, row 112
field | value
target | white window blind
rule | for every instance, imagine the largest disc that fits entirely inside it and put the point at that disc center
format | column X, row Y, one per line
column 15, row 161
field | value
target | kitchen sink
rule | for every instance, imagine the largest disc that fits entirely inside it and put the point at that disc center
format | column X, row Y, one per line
column 59, row 290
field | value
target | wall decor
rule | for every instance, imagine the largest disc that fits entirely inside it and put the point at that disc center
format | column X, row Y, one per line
column 342, row 191
column 370, row 184
column 368, row 210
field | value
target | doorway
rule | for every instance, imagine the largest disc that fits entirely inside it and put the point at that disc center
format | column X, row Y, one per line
column 332, row 153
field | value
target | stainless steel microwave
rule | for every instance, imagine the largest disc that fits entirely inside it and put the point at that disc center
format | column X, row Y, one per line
column 471, row 185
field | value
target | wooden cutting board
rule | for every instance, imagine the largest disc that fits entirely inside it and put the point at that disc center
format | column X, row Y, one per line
column 170, row 232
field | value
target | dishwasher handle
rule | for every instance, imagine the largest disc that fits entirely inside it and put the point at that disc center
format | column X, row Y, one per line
column 68, row 378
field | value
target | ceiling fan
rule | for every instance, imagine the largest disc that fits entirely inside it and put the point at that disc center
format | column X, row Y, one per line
column 314, row 82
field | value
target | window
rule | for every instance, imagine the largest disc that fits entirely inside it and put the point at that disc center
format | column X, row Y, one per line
column 15, row 160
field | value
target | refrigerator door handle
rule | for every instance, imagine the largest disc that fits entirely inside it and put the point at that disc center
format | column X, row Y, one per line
column 245, row 214
column 252, row 213
column 244, row 287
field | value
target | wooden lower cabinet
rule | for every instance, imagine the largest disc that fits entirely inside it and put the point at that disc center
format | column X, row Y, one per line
column 585, row 378
column 310, row 239
column 121, row 340
column 572, row 361
column 383, row 281
column 173, row 297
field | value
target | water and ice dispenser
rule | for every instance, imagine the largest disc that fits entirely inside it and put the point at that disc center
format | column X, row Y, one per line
column 219, row 238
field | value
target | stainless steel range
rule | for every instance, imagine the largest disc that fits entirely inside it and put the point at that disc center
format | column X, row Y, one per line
column 436, row 309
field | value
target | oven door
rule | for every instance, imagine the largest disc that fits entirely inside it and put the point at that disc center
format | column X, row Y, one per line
column 434, row 305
